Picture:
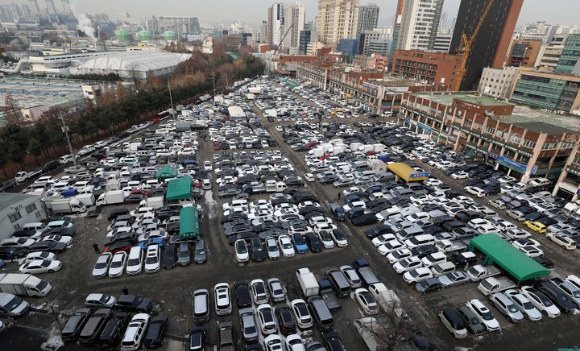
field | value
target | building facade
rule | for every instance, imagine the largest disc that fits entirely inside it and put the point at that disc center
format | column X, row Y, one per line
column 546, row 90
column 368, row 18
column 483, row 128
column 498, row 82
column 524, row 53
column 432, row 67
column 337, row 19
column 419, row 24
column 181, row 25
column 364, row 40
column 570, row 58
column 568, row 184
column 397, row 25
column 442, row 42
column 491, row 45
column 17, row 210
column 285, row 24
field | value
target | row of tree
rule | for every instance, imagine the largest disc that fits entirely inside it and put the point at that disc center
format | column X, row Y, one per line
column 21, row 144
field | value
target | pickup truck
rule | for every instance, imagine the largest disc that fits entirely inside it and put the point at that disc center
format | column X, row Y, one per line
column 364, row 271
column 328, row 295
column 448, row 246
column 479, row 272
column 492, row 285
column 23, row 176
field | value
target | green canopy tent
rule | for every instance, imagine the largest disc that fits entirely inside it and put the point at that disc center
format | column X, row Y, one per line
column 188, row 223
column 168, row 171
column 179, row 189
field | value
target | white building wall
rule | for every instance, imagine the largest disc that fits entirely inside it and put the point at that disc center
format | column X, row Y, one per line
column 23, row 209
column 498, row 83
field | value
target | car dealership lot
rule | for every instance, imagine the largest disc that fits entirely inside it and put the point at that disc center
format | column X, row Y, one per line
column 171, row 290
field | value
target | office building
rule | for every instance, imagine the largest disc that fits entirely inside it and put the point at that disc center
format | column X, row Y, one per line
column 498, row 82
column 368, row 18
column 364, row 40
column 264, row 32
column 337, row 19
column 524, row 53
column 521, row 141
column 275, row 24
column 380, row 46
column 570, row 59
column 491, row 45
column 548, row 57
column 432, row 67
column 419, row 24
column 442, row 42
column 397, row 25
column 50, row 8
column 306, row 36
column 348, row 47
column 556, row 92
column 181, row 25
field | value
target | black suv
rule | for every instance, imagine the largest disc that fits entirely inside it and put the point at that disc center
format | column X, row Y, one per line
column 133, row 303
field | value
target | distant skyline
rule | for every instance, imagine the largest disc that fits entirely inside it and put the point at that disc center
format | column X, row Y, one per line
column 255, row 11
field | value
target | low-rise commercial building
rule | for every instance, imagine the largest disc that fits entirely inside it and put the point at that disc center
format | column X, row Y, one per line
column 498, row 82
column 525, row 143
column 569, row 182
column 17, row 210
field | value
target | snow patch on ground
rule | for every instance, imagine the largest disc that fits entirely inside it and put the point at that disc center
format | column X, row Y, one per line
column 54, row 341
column 463, row 349
column 211, row 204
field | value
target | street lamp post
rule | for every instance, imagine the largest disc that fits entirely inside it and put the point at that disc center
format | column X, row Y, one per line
column 65, row 130
column 52, row 307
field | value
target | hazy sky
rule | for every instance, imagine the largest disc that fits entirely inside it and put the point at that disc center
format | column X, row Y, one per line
column 254, row 11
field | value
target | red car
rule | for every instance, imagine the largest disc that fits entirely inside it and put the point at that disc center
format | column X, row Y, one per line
column 118, row 246
column 140, row 192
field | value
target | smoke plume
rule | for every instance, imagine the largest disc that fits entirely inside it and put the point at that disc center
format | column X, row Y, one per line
column 85, row 23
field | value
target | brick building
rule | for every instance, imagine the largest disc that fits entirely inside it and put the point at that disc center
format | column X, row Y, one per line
column 432, row 67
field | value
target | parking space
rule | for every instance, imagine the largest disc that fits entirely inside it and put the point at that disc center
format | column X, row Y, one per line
column 295, row 179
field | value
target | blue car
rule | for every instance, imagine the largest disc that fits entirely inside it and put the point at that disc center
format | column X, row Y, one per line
column 157, row 241
column 300, row 243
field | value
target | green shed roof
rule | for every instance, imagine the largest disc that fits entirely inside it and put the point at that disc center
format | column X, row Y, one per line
column 168, row 171
column 506, row 256
column 179, row 189
column 188, row 223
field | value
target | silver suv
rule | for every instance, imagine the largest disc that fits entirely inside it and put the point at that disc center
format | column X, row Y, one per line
column 506, row 307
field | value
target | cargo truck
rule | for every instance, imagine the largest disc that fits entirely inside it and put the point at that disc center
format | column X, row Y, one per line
column 111, row 197
column 307, row 282
column 86, row 199
column 23, row 284
column 66, row 206
column 364, row 271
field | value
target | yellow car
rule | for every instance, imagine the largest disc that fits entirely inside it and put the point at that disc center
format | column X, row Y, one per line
column 536, row 226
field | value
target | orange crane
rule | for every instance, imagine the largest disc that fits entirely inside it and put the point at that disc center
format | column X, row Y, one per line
column 465, row 47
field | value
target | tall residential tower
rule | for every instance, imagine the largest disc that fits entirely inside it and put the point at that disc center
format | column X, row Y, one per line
column 419, row 24
column 337, row 19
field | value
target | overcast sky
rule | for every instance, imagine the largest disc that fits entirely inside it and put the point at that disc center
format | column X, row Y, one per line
column 254, row 11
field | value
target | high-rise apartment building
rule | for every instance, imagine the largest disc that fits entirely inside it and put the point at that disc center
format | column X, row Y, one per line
column 285, row 22
column 50, row 8
column 337, row 19
column 419, row 24
column 368, row 18
column 33, row 4
column 397, row 25
column 491, row 45
column 66, row 6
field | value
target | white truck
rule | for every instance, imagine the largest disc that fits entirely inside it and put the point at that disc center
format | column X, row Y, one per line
column 492, row 285
column 86, row 199
column 273, row 186
column 156, row 201
column 373, row 333
column 66, row 206
column 318, row 152
column 449, row 246
column 307, row 282
column 111, row 197
column 23, row 284
column 479, row 272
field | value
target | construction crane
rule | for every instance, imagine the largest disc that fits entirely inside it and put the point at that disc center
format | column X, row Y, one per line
column 465, row 47
column 274, row 55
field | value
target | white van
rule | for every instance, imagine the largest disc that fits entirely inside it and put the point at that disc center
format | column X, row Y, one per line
column 540, row 182
column 37, row 226
column 423, row 239
column 135, row 332
column 34, row 187
column 135, row 261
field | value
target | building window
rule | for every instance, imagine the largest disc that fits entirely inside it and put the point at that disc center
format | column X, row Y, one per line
column 529, row 143
column 500, row 133
column 548, row 146
column 515, row 138
column 490, row 130
column 14, row 217
column 17, row 227
column 30, row 208
column 567, row 145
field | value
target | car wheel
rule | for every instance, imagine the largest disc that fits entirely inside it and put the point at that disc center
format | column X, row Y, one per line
column 544, row 313
column 491, row 303
column 50, row 271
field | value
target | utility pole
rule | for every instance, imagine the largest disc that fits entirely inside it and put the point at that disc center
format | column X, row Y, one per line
column 213, row 82
column 65, row 130
column 171, row 99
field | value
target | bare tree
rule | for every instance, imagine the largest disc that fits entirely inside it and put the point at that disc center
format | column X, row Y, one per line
column 11, row 110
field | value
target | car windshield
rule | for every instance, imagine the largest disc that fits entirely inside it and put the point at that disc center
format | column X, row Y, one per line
column 14, row 303
column 487, row 316
column 131, row 262
column 105, row 298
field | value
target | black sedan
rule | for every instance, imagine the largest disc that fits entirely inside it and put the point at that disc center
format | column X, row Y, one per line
column 133, row 303
column 156, row 332
column 314, row 242
column 170, row 257
column 13, row 252
column 51, row 246
column 243, row 297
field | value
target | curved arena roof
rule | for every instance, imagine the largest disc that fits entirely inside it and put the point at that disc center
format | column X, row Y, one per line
column 133, row 64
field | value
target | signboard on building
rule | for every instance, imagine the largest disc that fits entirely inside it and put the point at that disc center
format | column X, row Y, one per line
column 508, row 162
column 427, row 129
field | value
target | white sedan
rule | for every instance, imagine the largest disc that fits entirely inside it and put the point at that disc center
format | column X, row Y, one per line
column 65, row 239
column 41, row 255
column 286, row 246
column 531, row 251
column 366, row 301
column 309, row 177
column 562, row 240
column 41, row 266
column 118, row 264
column 459, row 175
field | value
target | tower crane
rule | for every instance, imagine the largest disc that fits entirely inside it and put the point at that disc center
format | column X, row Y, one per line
column 466, row 44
